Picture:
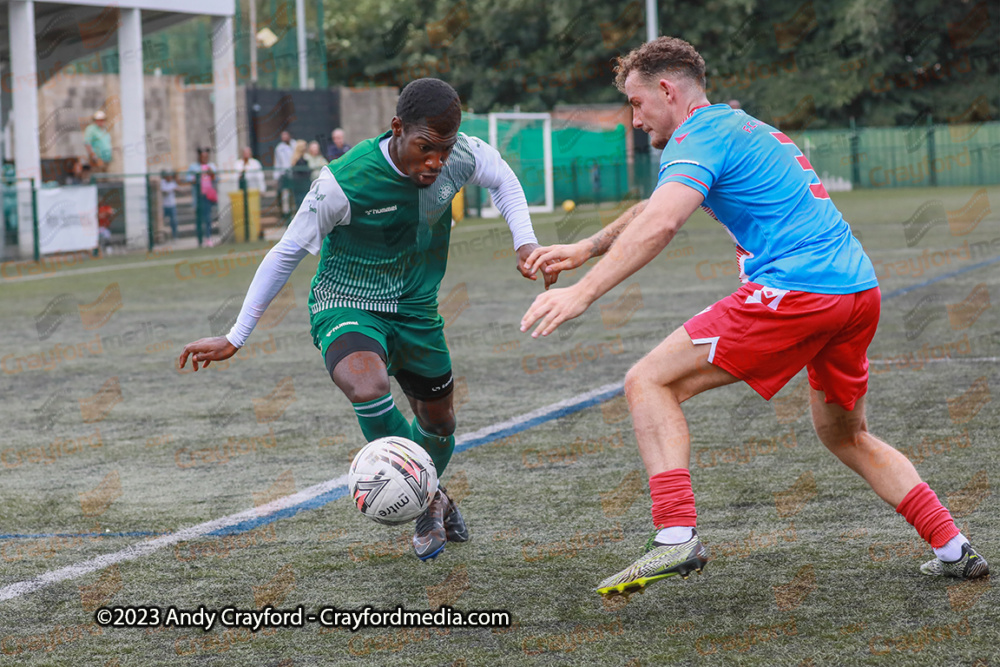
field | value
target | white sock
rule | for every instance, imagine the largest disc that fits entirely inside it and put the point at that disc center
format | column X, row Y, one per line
column 952, row 551
column 675, row 535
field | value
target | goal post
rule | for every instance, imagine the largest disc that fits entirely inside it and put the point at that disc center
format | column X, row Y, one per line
column 529, row 174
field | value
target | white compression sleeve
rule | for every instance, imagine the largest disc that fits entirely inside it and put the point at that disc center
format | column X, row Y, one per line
column 510, row 201
column 271, row 276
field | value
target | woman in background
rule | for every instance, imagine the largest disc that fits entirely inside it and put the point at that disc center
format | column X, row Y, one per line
column 315, row 159
column 168, row 186
column 301, row 173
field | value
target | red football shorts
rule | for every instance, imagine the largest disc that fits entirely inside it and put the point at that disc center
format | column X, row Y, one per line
column 764, row 336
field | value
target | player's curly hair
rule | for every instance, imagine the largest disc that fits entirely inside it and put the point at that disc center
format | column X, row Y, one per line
column 430, row 102
column 663, row 54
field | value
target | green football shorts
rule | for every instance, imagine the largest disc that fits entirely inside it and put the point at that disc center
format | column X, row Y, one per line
column 412, row 344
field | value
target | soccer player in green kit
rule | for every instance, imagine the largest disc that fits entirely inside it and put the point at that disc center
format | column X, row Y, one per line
column 380, row 219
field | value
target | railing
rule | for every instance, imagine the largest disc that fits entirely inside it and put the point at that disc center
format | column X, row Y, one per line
column 17, row 194
column 920, row 155
column 192, row 216
column 279, row 191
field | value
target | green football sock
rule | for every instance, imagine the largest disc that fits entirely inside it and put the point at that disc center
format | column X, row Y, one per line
column 381, row 418
column 439, row 447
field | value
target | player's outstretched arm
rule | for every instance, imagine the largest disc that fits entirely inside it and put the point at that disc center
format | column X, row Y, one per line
column 554, row 259
column 668, row 209
column 271, row 276
column 322, row 209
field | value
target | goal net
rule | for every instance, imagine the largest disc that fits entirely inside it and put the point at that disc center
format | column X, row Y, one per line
column 524, row 140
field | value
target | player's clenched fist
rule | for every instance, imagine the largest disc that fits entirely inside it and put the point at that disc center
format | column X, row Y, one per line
column 207, row 350
column 524, row 253
column 553, row 308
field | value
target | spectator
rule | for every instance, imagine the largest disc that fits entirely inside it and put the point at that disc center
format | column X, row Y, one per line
column 282, row 164
column 97, row 141
column 337, row 147
column 9, row 183
column 204, row 172
column 251, row 169
column 301, row 179
column 168, row 186
column 77, row 175
column 105, row 215
column 315, row 160
column 734, row 104
column 595, row 180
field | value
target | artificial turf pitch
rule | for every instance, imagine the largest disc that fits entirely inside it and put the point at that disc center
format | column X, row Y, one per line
column 106, row 444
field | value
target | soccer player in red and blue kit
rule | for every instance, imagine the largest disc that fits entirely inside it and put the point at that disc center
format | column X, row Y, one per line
column 809, row 298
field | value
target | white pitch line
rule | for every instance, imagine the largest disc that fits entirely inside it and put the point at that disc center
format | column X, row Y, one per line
column 134, row 551
column 100, row 269
column 141, row 549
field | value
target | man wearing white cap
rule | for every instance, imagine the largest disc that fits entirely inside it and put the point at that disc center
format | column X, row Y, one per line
column 97, row 141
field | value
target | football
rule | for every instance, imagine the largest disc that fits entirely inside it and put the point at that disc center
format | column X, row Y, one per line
column 392, row 480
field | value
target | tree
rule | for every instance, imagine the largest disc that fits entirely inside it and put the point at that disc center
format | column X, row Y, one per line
column 798, row 64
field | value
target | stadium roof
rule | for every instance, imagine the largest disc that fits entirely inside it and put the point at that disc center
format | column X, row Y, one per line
column 65, row 31
column 39, row 39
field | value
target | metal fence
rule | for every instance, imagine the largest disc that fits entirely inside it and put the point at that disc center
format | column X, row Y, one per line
column 923, row 155
column 271, row 195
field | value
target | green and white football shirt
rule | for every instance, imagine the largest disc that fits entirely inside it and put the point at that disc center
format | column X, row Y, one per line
column 382, row 240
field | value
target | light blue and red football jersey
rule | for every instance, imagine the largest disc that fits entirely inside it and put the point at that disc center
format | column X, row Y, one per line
column 760, row 186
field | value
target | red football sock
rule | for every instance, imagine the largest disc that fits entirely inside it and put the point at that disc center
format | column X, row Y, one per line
column 673, row 499
column 925, row 512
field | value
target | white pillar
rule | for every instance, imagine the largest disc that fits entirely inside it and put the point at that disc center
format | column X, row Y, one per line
column 226, row 134
column 300, row 34
column 133, row 109
column 652, row 20
column 3, row 142
column 24, row 86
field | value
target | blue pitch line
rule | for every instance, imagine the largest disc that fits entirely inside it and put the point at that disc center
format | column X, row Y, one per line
column 340, row 491
column 541, row 419
column 31, row 536
column 903, row 290
column 311, row 504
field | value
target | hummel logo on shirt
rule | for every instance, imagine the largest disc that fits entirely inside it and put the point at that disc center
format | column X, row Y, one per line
column 342, row 324
column 376, row 211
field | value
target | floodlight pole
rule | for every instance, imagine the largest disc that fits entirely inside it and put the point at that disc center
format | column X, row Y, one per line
column 253, row 42
column 300, row 30
column 652, row 14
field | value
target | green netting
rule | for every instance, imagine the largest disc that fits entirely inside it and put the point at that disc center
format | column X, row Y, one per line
column 590, row 165
column 587, row 165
